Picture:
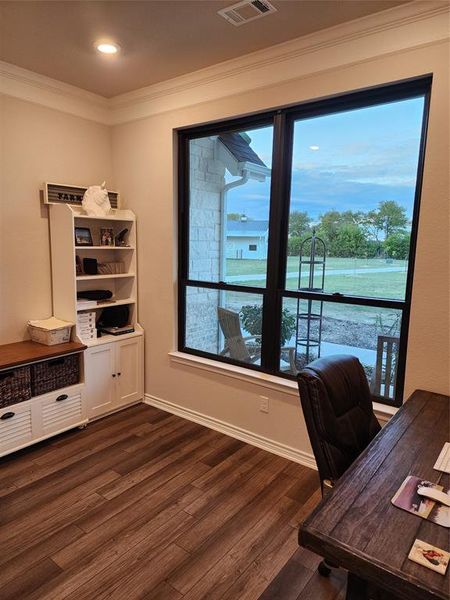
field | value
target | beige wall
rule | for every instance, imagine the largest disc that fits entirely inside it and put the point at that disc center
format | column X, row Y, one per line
column 143, row 161
column 39, row 144
column 36, row 145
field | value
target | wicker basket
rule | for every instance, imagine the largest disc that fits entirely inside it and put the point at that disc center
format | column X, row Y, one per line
column 54, row 374
column 15, row 386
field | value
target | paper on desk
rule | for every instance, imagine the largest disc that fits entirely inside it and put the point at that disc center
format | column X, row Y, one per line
column 408, row 499
column 443, row 461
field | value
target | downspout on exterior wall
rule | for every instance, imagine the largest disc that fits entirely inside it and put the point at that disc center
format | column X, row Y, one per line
column 223, row 221
column 223, row 240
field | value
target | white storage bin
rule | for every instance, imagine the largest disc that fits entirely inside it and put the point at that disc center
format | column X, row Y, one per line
column 50, row 331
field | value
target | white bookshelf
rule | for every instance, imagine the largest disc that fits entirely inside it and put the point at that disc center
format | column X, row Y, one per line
column 113, row 366
column 64, row 218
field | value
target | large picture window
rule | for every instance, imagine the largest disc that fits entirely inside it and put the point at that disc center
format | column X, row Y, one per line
column 297, row 234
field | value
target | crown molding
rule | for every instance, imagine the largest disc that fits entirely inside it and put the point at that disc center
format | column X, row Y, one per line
column 408, row 26
column 39, row 89
column 417, row 24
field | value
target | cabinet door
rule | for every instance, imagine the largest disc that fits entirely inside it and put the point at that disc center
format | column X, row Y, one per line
column 61, row 410
column 15, row 427
column 100, row 379
column 129, row 367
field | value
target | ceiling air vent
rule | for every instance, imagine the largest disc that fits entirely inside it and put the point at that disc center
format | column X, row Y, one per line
column 246, row 11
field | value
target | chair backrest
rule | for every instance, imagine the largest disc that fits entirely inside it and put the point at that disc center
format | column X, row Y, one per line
column 230, row 324
column 338, row 411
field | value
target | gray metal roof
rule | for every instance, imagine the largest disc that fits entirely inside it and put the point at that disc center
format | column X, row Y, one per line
column 247, row 228
column 240, row 148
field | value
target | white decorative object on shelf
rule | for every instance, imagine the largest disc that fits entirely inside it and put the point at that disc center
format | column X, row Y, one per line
column 96, row 201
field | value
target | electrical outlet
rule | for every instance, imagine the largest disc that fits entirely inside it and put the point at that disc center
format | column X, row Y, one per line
column 264, row 404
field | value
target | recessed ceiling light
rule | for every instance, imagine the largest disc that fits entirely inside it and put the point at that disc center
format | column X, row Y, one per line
column 314, row 147
column 107, row 47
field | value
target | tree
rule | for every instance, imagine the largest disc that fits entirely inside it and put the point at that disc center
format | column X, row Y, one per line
column 294, row 243
column 299, row 223
column 332, row 221
column 350, row 242
column 329, row 225
column 393, row 216
column 390, row 217
column 233, row 216
column 352, row 218
column 397, row 245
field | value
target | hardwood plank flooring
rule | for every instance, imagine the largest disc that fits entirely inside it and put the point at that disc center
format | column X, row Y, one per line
column 143, row 504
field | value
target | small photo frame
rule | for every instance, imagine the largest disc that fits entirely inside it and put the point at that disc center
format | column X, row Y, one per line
column 106, row 236
column 83, row 236
column 429, row 556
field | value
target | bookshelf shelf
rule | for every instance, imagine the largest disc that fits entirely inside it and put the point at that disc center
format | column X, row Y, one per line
column 105, row 304
column 109, row 276
column 117, row 248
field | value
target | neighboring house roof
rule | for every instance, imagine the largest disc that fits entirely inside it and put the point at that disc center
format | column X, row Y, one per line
column 240, row 148
column 247, row 228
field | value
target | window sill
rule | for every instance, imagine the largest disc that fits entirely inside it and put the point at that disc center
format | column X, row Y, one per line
column 278, row 384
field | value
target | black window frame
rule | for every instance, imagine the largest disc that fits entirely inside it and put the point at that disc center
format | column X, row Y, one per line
column 282, row 120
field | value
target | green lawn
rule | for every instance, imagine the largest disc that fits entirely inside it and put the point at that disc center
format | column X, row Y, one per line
column 390, row 284
column 369, row 283
column 257, row 267
column 379, row 285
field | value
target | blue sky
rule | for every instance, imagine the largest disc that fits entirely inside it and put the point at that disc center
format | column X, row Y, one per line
column 359, row 158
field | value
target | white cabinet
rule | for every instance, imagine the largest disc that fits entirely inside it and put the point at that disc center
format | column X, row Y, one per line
column 15, row 427
column 113, row 365
column 41, row 417
column 114, row 375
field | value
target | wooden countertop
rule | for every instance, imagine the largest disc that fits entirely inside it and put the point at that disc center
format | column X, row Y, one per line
column 20, row 353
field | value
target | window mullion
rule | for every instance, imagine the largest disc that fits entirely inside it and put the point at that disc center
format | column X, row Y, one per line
column 183, row 232
column 344, row 299
column 278, row 225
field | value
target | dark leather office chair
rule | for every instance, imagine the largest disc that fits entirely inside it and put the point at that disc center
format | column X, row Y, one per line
column 338, row 411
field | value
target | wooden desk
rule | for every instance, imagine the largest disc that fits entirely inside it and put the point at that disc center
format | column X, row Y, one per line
column 358, row 527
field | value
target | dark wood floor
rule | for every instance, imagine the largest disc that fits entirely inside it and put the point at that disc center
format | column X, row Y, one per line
column 143, row 504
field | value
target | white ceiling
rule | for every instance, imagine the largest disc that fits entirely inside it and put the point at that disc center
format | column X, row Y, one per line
column 159, row 39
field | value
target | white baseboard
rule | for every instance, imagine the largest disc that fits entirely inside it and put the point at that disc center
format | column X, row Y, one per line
column 298, row 456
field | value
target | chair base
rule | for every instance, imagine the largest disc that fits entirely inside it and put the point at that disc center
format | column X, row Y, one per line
column 325, row 567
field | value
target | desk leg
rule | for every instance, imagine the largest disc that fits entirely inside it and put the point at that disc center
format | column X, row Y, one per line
column 357, row 588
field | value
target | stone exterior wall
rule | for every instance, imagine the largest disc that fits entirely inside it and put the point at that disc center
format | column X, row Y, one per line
column 206, row 183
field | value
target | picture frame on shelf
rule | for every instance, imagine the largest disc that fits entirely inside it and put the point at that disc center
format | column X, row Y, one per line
column 119, row 239
column 83, row 236
column 106, row 236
